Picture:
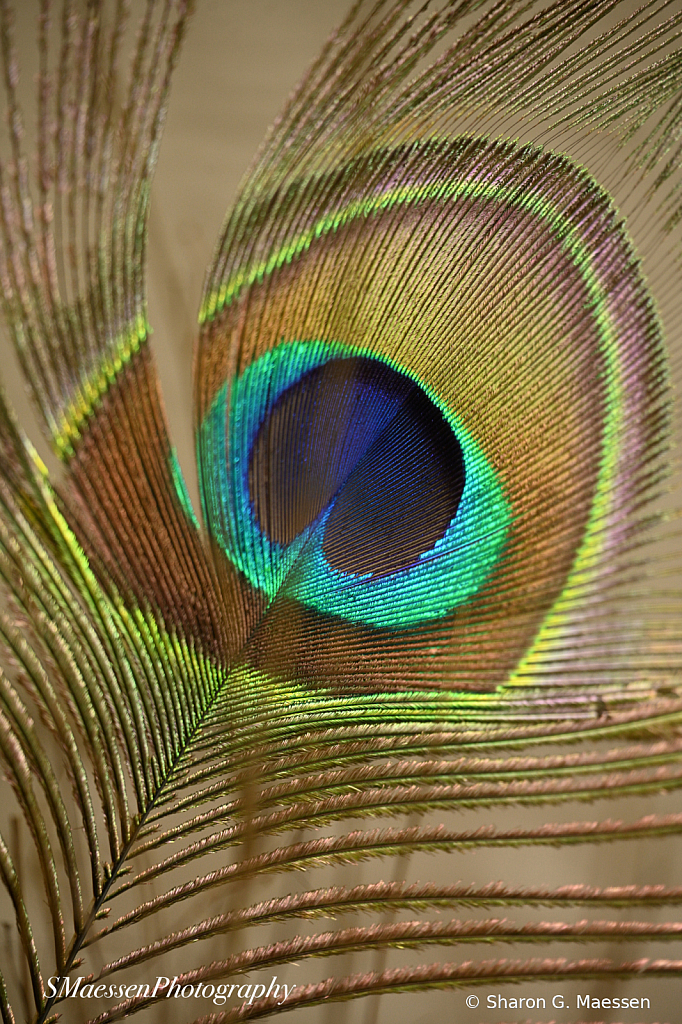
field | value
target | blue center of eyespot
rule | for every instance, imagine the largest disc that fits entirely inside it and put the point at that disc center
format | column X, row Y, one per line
column 350, row 488
column 361, row 439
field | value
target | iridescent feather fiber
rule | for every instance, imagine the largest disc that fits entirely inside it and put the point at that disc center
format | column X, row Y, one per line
column 434, row 565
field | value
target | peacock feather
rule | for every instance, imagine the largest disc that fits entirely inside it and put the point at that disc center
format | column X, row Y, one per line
column 433, row 571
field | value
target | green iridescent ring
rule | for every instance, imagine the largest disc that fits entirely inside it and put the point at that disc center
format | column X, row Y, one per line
column 447, row 574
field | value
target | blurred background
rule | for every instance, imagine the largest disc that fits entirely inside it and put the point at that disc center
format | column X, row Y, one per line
column 240, row 60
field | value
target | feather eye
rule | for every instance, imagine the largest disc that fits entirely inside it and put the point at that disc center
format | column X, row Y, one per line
column 444, row 384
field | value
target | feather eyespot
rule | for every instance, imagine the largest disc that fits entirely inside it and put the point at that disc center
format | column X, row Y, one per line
column 496, row 283
column 351, row 491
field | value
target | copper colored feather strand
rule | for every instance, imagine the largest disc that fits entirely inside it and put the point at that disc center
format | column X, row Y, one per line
column 436, row 564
